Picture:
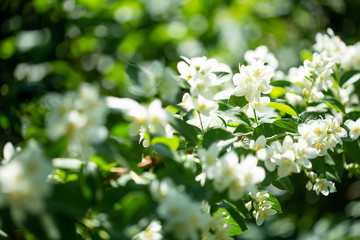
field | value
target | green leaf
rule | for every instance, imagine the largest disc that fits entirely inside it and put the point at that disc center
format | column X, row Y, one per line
column 239, row 206
column 278, row 127
column 234, row 219
column 352, row 150
column 349, row 78
column 75, row 206
column 276, row 205
column 243, row 129
column 132, row 71
column 188, row 131
column 214, row 135
column 287, row 86
column 221, row 74
column 334, row 104
column 306, row 55
column 172, row 143
column 243, row 117
column 237, row 101
column 306, row 116
column 283, row 106
column 163, row 150
column 269, row 178
column 286, row 124
column 284, row 184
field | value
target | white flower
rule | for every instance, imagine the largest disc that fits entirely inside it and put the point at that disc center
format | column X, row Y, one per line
column 251, row 173
column 9, row 151
column 152, row 232
column 270, row 154
column 332, row 44
column 304, row 152
column 228, row 168
column 183, row 217
column 286, row 161
column 253, row 80
column 259, row 105
column 208, row 159
column 314, row 130
column 324, row 187
column 262, row 213
column 351, row 58
column 200, row 73
column 321, row 68
column 259, row 144
column 335, row 129
column 23, row 182
column 263, row 54
column 354, row 128
column 78, row 115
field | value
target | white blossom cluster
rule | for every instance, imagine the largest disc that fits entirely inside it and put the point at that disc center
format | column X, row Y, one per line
column 151, row 118
column 288, row 157
column 320, row 184
column 262, row 206
column 152, row 232
column 78, row 115
column 183, row 217
column 253, row 81
column 24, row 181
column 322, row 134
column 229, row 174
column 205, row 85
column 317, row 75
column 346, row 56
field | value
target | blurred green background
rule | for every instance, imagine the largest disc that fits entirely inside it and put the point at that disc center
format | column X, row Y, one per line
column 52, row 45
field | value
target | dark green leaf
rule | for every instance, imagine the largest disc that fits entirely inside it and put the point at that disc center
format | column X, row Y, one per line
column 347, row 76
column 132, row 71
column 237, row 101
column 286, row 124
column 188, row 131
column 221, row 74
column 243, row 129
column 239, row 206
column 284, row 184
column 214, row 135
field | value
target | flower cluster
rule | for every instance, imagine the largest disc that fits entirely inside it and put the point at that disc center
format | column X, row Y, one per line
column 78, row 115
column 152, row 118
column 262, row 206
column 208, row 80
column 152, row 232
column 319, row 184
column 251, row 82
column 228, row 174
column 24, row 181
column 322, row 134
column 317, row 73
column 317, row 136
column 183, row 217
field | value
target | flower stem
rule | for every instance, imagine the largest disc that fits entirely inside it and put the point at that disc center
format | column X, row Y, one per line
column 201, row 124
column 256, row 119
